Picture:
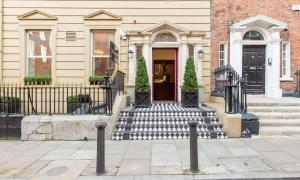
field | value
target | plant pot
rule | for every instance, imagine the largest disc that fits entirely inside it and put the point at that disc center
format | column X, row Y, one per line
column 72, row 106
column 142, row 98
column 189, row 99
column 10, row 107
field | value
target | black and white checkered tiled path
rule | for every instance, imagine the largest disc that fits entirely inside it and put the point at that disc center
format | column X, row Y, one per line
column 166, row 121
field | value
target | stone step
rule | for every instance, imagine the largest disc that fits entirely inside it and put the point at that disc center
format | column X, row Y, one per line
column 167, row 135
column 282, row 131
column 274, row 103
column 277, row 115
column 279, row 122
column 283, row 109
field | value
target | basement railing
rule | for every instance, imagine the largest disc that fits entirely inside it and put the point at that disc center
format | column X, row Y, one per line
column 61, row 98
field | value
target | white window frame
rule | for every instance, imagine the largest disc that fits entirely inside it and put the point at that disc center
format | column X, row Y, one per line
column 287, row 59
column 225, row 54
column 92, row 56
column 28, row 45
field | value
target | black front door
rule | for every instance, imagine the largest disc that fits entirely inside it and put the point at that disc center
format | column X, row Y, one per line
column 254, row 66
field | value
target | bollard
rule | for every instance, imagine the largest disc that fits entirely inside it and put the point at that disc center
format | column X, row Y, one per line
column 193, row 146
column 100, row 166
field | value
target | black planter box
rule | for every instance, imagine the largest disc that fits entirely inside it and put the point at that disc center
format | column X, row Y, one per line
column 142, row 98
column 10, row 127
column 250, row 122
column 189, row 99
column 10, row 107
column 71, row 107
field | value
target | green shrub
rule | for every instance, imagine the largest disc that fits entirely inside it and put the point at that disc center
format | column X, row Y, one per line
column 72, row 99
column 8, row 99
column 142, row 79
column 96, row 79
column 38, row 79
column 190, row 79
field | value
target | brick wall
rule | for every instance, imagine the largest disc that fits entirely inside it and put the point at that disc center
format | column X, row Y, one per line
column 226, row 12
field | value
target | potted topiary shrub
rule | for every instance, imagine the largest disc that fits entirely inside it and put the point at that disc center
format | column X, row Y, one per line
column 10, row 104
column 142, row 87
column 189, row 93
column 37, row 80
column 96, row 80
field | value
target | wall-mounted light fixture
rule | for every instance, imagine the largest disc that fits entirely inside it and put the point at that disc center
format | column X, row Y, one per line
column 270, row 61
column 200, row 53
column 130, row 54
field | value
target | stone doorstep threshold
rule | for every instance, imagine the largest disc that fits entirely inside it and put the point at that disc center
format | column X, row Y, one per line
column 245, row 176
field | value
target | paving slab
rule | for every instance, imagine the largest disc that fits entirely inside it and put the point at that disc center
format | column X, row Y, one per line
column 165, row 160
column 138, row 154
column 245, row 164
column 134, row 167
column 84, row 154
column 65, row 169
column 243, row 151
column 33, row 168
column 59, row 154
column 164, row 149
column 166, row 170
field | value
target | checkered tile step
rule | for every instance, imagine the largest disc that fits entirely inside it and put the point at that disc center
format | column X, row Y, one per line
column 166, row 121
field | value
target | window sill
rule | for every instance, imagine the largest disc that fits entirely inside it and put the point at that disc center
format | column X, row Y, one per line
column 286, row 79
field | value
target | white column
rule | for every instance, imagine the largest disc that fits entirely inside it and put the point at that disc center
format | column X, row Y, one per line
column 198, row 63
column 273, row 70
column 132, row 65
column 147, row 53
column 182, row 57
column 236, row 50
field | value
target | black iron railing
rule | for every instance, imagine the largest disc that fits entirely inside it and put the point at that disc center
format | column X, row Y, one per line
column 60, row 98
column 232, row 87
column 221, row 79
column 236, row 94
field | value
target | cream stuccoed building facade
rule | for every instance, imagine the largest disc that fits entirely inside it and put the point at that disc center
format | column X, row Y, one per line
column 74, row 34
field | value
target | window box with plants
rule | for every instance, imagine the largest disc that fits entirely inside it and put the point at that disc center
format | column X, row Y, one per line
column 37, row 80
column 96, row 80
column 10, row 104
column 142, row 87
column 189, row 93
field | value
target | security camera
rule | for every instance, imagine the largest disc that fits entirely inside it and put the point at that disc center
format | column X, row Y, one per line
column 123, row 34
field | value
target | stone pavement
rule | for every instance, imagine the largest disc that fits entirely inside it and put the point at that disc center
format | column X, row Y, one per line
column 265, row 157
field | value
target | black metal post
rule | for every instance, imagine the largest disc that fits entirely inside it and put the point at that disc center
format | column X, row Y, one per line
column 100, row 166
column 193, row 146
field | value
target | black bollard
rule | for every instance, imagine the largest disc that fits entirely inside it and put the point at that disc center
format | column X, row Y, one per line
column 193, row 146
column 100, row 166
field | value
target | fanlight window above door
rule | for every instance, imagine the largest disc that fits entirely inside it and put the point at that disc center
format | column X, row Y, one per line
column 253, row 35
column 165, row 37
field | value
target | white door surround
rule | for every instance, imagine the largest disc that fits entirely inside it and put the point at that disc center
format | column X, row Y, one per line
column 148, row 40
column 270, row 29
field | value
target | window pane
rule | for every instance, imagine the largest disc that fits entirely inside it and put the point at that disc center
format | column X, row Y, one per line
column 101, row 40
column 100, row 66
column 221, row 56
column 39, row 66
column 165, row 37
column 253, row 35
column 221, row 62
column 39, row 43
column 221, row 47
